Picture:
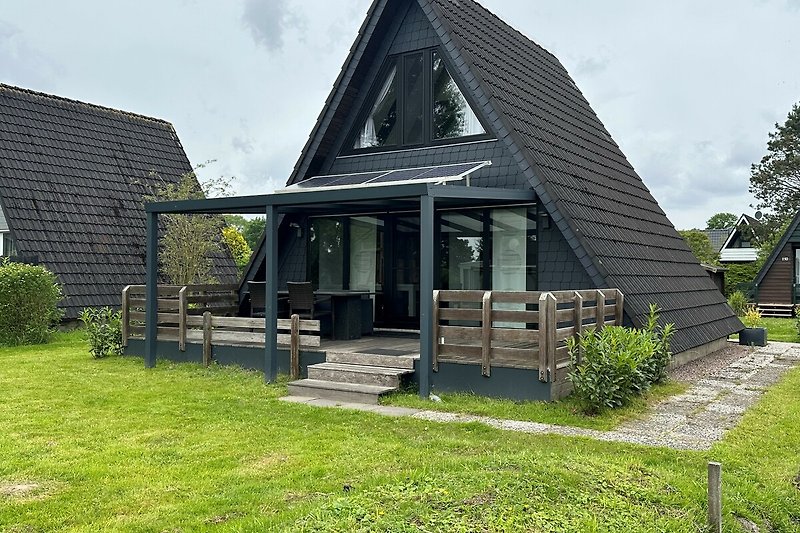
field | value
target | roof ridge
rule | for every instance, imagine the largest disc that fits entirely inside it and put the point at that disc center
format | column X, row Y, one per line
column 39, row 94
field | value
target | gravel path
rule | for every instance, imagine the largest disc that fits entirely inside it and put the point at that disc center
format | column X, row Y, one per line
column 724, row 385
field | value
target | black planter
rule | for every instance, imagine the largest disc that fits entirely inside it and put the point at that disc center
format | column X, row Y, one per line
column 753, row 337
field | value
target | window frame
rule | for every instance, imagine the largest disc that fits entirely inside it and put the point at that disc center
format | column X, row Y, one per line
column 399, row 60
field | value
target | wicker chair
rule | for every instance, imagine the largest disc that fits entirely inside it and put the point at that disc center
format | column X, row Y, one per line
column 302, row 301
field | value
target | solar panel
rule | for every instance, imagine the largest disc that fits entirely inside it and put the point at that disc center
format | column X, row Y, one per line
column 432, row 174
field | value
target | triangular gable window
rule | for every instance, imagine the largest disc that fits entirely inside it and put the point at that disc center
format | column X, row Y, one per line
column 452, row 115
column 380, row 127
column 416, row 103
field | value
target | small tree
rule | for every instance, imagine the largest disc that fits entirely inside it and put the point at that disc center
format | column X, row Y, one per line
column 701, row 246
column 189, row 241
column 721, row 221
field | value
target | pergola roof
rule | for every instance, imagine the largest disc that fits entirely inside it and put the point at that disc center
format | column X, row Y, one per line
column 393, row 197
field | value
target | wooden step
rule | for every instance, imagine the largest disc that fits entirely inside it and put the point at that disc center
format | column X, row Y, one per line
column 776, row 310
column 339, row 392
column 386, row 361
column 361, row 374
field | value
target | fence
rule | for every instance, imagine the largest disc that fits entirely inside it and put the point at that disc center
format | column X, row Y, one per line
column 192, row 314
column 526, row 330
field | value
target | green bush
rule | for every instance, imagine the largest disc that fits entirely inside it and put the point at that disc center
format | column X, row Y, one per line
column 104, row 331
column 611, row 366
column 738, row 302
column 740, row 277
column 29, row 297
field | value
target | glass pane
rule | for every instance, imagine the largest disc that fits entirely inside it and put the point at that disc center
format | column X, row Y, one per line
column 364, row 253
column 462, row 251
column 379, row 129
column 413, row 104
column 452, row 115
column 509, row 256
column 327, row 253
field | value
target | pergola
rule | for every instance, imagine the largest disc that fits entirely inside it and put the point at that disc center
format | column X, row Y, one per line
column 411, row 196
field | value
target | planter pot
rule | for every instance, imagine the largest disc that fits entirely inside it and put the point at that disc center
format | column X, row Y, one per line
column 753, row 337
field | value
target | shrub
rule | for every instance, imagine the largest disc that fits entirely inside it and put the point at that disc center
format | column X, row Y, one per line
column 752, row 317
column 29, row 297
column 739, row 277
column 104, row 331
column 655, row 368
column 613, row 365
column 610, row 368
column 738, row 302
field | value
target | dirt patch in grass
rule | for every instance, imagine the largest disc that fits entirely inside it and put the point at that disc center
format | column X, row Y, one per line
column 18, row 490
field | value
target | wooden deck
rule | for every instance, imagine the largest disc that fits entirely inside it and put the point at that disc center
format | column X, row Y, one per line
column 406, row 344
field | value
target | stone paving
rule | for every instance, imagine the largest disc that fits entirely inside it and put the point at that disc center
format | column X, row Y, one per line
column 693, row 420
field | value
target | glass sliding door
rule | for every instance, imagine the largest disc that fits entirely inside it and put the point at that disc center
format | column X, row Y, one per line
column 796, row 276
column 326, row 253
column 462, row 250
column 402, row 292
column 366, row 256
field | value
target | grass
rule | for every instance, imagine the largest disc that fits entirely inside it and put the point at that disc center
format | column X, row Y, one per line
column 563, row 413
column 112, row 446
column 779, row 329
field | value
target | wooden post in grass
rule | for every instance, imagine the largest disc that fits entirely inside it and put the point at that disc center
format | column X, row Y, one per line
column 294, row 347
column 486, row 334
column 183, row 310
column 207, row 338
column 126, row 320
column 715, row 497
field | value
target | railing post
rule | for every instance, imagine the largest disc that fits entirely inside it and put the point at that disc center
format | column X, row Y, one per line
column 207, row 330
column 294, row 347
column 577, row 319
column 435, row 334
column 126, row 309
column 486, row 334
column 600, row 310
column 620, row 309
column 551, row 326
column 183, row 310
column 715, row 497
column 547, row 336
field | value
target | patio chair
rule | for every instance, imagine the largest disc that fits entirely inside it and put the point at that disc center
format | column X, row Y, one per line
column 257, row 303
column 302, row 302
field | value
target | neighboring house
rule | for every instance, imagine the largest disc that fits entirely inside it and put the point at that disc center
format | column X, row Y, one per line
column 437, row 82
column 778, row 282
column 718, row 237
column 73, row 177
column 740, row 245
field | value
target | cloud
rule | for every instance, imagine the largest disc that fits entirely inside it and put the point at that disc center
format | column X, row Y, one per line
column 244, row 146
column 590, row 66
column 268, row 20
column 22, row 64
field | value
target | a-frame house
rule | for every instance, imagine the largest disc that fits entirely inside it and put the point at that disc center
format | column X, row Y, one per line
column 447, row 87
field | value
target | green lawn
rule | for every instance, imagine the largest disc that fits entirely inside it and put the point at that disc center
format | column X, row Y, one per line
column 115, row 447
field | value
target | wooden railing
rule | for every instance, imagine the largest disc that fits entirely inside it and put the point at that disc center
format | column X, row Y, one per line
column 525, row 330
column 191, row 314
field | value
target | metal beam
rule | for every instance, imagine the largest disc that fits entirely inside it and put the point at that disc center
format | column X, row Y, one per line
column 151, row 293
column 271, row 296
column 426, row 274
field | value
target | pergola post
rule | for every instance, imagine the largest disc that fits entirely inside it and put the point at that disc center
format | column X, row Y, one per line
column 271, row 296
column 151, row 292
column 426, row 269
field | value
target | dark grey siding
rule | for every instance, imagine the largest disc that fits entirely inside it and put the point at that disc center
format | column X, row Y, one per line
column 415, row 33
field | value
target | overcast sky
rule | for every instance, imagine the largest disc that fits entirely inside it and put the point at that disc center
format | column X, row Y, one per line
column 689, row 89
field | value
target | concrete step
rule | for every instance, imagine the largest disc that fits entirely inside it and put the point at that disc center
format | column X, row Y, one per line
column 776, row 310
column 362, row 374
column 386, row 361
column 339, row 392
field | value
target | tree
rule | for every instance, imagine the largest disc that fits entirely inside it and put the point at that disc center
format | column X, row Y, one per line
column 239, row 248
column 189, row 241
column 722, row 221
column 251, row 229
column 701, row 246
column 775, row 181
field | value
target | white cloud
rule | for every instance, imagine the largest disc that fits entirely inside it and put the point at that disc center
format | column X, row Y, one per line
column 268, row 21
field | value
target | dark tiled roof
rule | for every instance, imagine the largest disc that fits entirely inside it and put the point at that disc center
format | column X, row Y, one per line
column 582, row 177
column 72, row 180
